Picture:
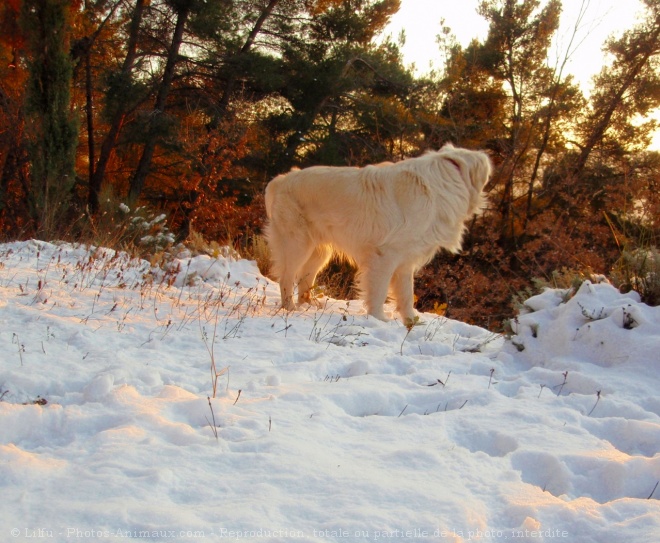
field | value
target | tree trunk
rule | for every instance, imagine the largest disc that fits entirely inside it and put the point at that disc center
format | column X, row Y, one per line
column 93, row 198
column 52, row 129
column 605, row 116
column 108, row 145
column 137, row 183
column 231, row 82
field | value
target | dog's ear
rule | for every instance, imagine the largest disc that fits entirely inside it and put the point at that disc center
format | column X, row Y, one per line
column 481, row 168
column 475, row 166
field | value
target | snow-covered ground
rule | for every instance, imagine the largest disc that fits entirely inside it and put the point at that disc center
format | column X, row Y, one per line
column 326, row 425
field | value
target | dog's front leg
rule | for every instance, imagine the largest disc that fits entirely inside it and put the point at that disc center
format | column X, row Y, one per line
column 403, row 287
column 286, row 292
column 374, row 282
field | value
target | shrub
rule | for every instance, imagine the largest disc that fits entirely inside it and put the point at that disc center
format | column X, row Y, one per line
column 639, row 270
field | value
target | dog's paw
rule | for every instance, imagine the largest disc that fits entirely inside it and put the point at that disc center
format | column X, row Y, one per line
column 312, row 302
column 380, row 315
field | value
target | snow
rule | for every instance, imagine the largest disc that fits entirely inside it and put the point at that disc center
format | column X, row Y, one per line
column 326, row 425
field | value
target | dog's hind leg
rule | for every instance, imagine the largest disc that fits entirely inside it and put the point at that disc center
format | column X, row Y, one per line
column 289, row 255
column 293, row 258
column 307, row 276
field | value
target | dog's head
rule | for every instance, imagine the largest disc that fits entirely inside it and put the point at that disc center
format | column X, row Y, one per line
column 475, row 168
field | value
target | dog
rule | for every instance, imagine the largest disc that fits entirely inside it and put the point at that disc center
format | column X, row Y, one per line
column 389, row 219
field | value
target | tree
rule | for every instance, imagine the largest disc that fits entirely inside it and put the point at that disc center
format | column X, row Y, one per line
column 563, row 100
column 13, row 154
column 515, row 53
column 466, row 105
column 250, row 39
column 630, row 86
column 325, row 63
column 182, row 9
column 120, row 89
column 51, row 129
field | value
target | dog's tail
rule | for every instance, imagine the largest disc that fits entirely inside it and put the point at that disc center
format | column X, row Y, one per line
column 272, row 188
column 269, row 195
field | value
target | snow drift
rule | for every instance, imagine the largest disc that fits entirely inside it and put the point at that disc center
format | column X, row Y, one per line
column 326, row 425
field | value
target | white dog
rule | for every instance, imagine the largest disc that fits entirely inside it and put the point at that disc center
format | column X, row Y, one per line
column 390, row 219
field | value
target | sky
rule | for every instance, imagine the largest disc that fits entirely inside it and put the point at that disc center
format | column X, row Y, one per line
column 420, row 19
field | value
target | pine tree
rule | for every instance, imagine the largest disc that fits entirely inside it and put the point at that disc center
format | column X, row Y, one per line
column 515, row 54
column 120, row 88
column 629, row 86
column 52, row 131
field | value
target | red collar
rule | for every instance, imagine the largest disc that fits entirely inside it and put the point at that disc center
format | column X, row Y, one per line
column 458, row 166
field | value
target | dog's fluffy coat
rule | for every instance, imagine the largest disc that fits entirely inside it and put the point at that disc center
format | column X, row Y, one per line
column 390, row 219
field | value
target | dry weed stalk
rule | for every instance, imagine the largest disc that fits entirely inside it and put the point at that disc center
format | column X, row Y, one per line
column 210, row 347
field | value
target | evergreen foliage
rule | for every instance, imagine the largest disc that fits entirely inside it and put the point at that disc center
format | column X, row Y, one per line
column 51, row 129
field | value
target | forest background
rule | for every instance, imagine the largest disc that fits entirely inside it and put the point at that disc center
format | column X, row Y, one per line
column 140, row 124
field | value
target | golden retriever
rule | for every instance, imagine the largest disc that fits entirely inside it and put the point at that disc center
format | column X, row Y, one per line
column 389, row 219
